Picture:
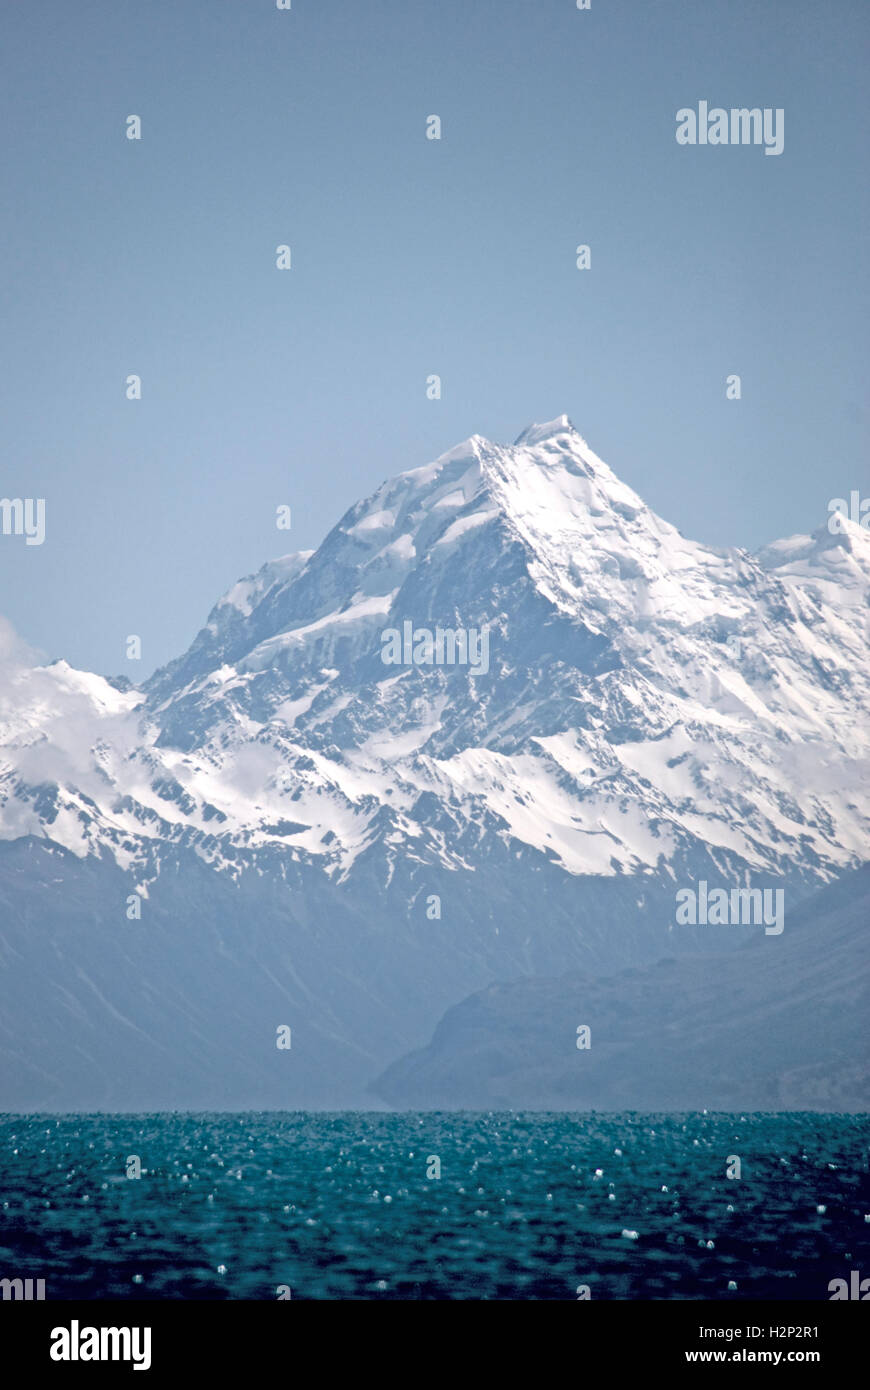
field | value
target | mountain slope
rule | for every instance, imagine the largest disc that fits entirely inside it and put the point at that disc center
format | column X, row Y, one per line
column 376, row 841
column 776, row 1025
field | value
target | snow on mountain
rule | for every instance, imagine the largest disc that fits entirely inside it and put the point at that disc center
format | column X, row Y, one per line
column 617, row 725
column 654, row 710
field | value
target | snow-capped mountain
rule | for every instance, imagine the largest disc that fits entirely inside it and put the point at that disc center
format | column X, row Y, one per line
column 651, row 711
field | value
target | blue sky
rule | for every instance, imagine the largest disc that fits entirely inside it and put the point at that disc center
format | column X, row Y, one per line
column 410, row 257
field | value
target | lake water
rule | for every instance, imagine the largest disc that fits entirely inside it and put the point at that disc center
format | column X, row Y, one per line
column 339, row 1205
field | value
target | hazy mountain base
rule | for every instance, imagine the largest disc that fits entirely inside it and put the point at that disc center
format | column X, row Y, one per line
column 179, row 1009
column 781, row 1024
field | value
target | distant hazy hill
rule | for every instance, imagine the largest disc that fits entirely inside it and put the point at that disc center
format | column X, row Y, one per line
column 781, row 1024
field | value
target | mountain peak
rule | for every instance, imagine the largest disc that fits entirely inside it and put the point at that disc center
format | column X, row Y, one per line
column 537, row 433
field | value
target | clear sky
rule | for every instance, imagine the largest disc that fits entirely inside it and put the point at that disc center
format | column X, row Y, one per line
column 410, row 257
